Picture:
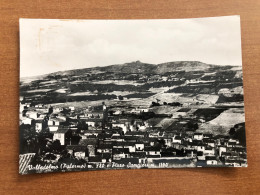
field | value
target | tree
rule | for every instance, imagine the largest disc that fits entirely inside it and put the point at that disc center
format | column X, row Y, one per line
column 56, row 146
column 49, row 156
column 232, row 131
column 120, row 97
column 192, row 126
column 82, row 125
column 27, row 138
column 155, row 104
column 27, row 131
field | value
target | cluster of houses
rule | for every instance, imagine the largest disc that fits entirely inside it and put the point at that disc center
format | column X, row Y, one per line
column 108, row 137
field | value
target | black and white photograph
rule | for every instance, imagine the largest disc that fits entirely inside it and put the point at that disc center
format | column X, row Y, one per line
column 131, row 94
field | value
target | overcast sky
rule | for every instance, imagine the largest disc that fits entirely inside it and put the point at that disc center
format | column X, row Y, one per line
column 54, row 45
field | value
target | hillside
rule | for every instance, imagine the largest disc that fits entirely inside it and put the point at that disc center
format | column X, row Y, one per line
column 197, row 82
column 146, row 68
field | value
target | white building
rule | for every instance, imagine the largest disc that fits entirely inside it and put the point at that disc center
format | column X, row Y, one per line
column 32, row 114
column 121, row 125
column 198, row 136
column 139, row 146
column 38, row 126
column 61, row 136
column 26, row 121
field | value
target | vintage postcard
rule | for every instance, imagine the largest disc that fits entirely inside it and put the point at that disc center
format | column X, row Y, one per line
column 131, row 94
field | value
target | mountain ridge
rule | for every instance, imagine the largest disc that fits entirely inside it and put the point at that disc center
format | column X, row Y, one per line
column 141, row 67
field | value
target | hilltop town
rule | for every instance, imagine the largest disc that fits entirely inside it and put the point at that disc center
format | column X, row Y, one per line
column 135, row 115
